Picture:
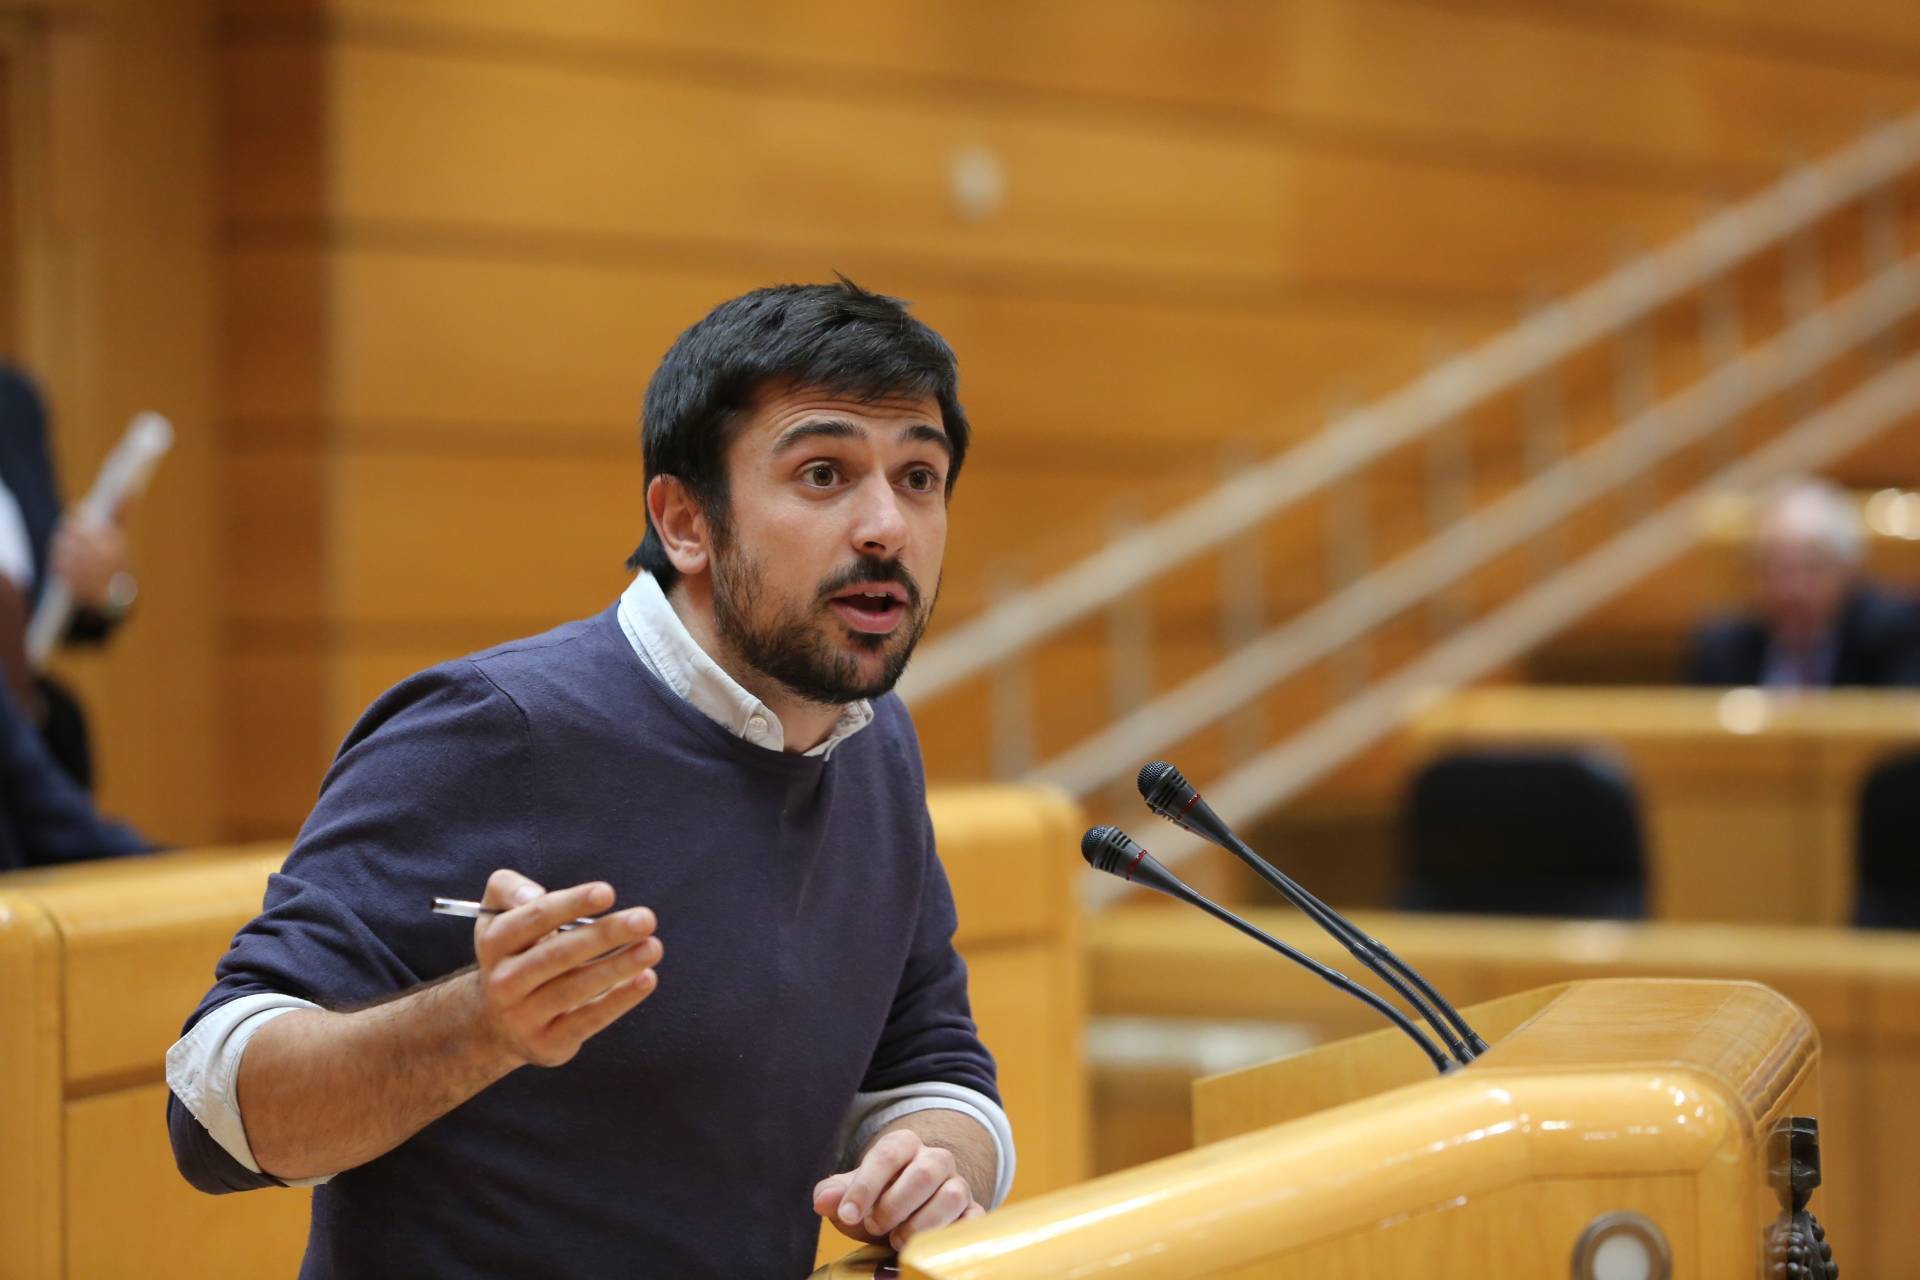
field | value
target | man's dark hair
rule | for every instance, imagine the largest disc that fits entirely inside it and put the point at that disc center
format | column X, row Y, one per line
column 838, row 338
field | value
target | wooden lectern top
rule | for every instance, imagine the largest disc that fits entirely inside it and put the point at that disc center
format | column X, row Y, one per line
column 1650, row 1098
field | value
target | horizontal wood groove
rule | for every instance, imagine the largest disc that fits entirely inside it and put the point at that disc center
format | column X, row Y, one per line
column 1748, row 36
column 1277, row 129
column 1674, row 23
column 536, row 246
column 306, row 440
column 115, row 1082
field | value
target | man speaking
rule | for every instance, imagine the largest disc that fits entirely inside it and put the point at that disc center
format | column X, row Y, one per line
column 715, row 760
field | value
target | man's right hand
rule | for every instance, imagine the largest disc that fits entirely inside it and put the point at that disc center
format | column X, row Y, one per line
column 545, row 992
column 323, row 1091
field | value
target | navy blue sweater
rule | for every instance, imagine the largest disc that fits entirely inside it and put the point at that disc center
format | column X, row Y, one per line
column 808, row 927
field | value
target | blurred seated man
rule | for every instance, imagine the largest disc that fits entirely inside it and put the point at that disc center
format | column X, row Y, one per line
column 1818, row 624
column 44, row 815
column 36, row 540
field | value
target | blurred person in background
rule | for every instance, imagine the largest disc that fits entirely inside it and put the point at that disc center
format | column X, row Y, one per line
column 44, row 815
column 36, row 541
column 1817, row 623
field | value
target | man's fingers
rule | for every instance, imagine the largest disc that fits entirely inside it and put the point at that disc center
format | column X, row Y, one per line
column 826, row 1195
column 912, row 1187
column 507, row 888
column 569, row 1032
column 519, row 927
column 948, row 1203
column 884, row 1159
column 576, row 986
column 826, row 1202
column 558, row 954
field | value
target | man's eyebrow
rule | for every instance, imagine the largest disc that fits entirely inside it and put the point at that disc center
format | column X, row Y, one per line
column 931, row 435
column 841, row 429
column 815, row 429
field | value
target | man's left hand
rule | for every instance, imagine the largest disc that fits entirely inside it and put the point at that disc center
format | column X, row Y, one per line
column 902, row 1187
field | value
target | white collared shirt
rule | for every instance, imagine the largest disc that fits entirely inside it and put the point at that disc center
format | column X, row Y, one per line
column 16, row 549
column 203, row 1066
column 669, row 650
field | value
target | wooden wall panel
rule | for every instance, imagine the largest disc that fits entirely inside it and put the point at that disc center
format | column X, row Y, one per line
column 588, row 163
column 277, row 745
column 115, row 316
column 425, row 536
column 279, row 550
column 507, row 146
column 1564, row 85
column 457, row 236
column 1577, row 93
column 477, row 354
column 10, row 91
column 1873, row 33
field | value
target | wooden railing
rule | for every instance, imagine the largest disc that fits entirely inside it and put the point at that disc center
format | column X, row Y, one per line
column 1615, row 468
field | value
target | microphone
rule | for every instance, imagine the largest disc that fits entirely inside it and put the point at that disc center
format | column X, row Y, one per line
column 1169, row 794
column 1111, row 850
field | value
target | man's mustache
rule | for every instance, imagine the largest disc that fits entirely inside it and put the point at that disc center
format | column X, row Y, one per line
column 871, row 571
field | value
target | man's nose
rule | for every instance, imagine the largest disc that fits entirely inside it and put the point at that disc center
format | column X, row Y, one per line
column 880, row 527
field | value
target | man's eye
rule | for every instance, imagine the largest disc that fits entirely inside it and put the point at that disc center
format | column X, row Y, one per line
column 819, row 474
column 921, row 480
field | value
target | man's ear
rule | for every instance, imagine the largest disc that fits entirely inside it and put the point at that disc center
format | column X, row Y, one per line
column 680, row 523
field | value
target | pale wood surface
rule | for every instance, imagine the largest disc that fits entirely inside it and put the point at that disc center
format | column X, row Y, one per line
column 101, row 962
column 1213, row 217
column 1748, row 799
column 1649, row 1095
column 9, row 289
column 861, row 1263
column 1379, row 64
column 114, row 308
column 129, row 1211
column 1860, row 989
column 30, row 1202
column 454, row 237
column 1361, row 1066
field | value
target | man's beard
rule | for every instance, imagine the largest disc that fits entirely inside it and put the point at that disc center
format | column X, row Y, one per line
column 792, row 649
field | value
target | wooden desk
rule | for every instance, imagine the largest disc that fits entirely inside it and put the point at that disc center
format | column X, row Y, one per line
column 1656, row 1098
column 100, row 964
column 1862, row 991
column 1748, row 798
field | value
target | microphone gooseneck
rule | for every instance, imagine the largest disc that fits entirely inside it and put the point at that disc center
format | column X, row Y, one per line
column 1111, row 850
column 1169, row 794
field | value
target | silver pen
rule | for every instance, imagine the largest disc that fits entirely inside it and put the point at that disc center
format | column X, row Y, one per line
column 473, row 911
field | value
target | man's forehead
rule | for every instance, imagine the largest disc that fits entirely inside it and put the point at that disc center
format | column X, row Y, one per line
column 777, row 409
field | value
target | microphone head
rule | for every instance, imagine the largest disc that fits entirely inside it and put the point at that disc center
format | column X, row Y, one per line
column 1169, row 794
column 1113, row 851
column 1107, row 848
column 1164, row 788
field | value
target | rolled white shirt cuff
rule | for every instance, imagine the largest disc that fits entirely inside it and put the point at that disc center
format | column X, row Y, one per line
column 872, row 1112
column 203, row 1070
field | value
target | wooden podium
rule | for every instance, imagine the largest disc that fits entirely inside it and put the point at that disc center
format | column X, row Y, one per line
column 1638, row 1127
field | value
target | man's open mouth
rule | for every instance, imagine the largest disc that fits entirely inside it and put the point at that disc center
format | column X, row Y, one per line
column 874, row 607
